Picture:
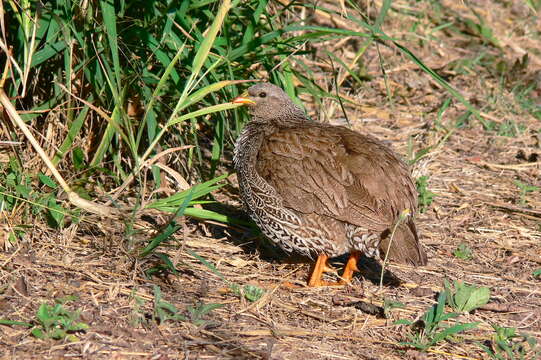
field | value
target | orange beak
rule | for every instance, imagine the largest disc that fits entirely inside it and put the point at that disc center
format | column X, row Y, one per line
column 243, row 100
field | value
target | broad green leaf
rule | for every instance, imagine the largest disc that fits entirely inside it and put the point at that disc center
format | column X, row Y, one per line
column 206, row 308
column 252, row 293
column 56, row 212
column 46, row 180
column 478, row 297
column 38, row 333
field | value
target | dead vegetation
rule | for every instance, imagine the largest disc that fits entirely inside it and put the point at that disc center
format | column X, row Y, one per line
column 477, row 168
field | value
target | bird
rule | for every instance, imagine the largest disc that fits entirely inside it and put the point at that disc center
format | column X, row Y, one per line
column 323, row 190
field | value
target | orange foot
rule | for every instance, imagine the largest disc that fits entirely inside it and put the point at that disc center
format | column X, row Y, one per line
column 351, row 267
column 322, row 266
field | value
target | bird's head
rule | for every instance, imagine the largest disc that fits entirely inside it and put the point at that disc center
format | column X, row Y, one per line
column 267, row 102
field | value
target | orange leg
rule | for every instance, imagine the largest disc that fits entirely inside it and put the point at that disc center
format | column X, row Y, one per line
column 351, row 267
column 320, row 267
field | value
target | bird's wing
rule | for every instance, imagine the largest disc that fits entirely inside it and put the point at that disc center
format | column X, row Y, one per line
column 336, row 172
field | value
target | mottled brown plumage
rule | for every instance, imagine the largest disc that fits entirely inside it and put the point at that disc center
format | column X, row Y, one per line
column 322, row 190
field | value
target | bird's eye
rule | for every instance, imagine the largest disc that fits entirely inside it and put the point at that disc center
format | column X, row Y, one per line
column 262, row 94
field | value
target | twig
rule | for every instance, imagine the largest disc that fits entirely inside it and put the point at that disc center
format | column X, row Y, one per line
column 511, row 207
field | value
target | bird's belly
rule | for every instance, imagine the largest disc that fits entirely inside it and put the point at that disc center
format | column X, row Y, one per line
column 307, row 234
column 294, row 232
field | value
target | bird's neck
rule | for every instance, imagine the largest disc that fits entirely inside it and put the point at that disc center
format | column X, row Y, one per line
column 287, row 119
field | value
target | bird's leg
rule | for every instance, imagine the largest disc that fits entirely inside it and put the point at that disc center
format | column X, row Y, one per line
column 351, row 267
column 320, row 267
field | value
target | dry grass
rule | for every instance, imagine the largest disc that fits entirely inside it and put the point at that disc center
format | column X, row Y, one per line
column 477, row 203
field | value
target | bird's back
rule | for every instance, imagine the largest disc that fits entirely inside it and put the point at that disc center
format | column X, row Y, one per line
column 346, row 177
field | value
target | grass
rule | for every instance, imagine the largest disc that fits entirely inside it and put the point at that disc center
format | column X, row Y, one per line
column 54, row 322
column 507, row 344
column 164, row 311
column 524, row 190
column 128, row 107
column 57, row 323
column 425, row 196
column 463, row 251
column 431, row 329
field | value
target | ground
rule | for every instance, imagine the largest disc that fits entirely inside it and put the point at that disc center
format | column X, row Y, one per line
column 476, row 168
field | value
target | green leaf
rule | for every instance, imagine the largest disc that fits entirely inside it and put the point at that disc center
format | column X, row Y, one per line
column 74, row 128
column 23, row 191
column 204, row 309
column 467, row 297
column 48, row 52
column 402, row 322
column 168, row 263
column 196, row 191
column 55, row 212
column 479, row 297
column 43, row 313
column 109, row 18
column 207, row 264
column 46, row 180
column 210, row 36
column 204, row 111
column 38, row 333
column 171, row 228
column 79, row 326
column 212, row 215
column 454, row 330
column 78, row 158
column 11, row 322
column 463, row 252
column 253, row 293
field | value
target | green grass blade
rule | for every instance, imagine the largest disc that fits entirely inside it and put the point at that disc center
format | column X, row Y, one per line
column 204, row 111
column 109, row 18
column 74, row 129
column 49, row 51
column 11, row 322
column 201, row 93
column 382, row 14
column 159, row 88
column 206, row 45
column 458, row 328
column 171, row 228
column 106, row 139
column 196, row 192
column 204, row 214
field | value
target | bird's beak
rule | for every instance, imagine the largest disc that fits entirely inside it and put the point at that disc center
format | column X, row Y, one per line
column 243, row 99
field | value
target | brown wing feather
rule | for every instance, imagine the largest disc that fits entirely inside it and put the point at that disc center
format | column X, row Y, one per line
column 336, row 172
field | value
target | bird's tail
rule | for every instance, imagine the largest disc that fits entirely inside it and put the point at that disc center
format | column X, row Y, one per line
column 405, row 247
